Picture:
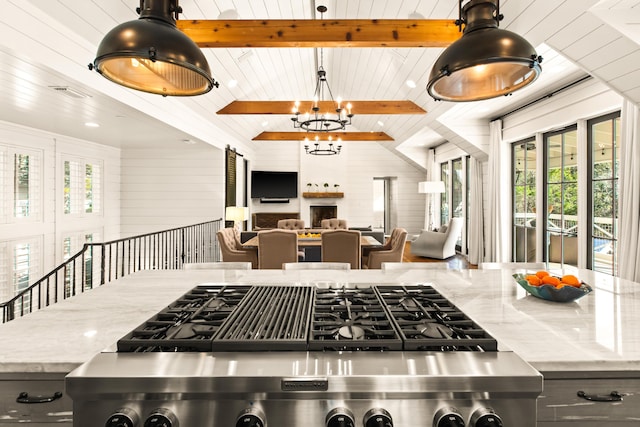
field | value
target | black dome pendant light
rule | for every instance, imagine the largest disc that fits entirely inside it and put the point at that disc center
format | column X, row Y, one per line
column 486, row 62
column 150, row 54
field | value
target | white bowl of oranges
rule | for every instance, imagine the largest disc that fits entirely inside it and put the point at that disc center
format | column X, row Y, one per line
column 546, row 286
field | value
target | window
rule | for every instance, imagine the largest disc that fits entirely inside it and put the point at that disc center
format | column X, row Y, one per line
column 82, row 187
column 22, row 261
column 20, row 174
column 562, row 196
column 444, row 197
column 603, row 136
column 523, row 159
column 457, row 194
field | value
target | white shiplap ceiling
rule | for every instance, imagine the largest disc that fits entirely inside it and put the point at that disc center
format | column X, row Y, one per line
column 50, row 42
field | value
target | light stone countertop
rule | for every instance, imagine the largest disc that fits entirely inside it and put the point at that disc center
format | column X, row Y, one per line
column 596, row 333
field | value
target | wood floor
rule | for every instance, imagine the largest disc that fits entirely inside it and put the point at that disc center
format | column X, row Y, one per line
column 455, row 262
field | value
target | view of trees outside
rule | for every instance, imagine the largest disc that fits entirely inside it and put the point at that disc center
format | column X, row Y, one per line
column 444, row 205
column 21, row 182
column 524, row 201
column 562, row 196
column 604, row 136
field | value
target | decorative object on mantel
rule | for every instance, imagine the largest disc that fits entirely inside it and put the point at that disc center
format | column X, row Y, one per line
column 317, row 151
column 336, row 187
column 315, row 120
column 309, row 185
column 326, row 195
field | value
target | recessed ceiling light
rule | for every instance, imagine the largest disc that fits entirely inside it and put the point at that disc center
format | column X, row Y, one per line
column 92, row 125
column 380, row 123
column 232, row 84
column 411, row 84
column 265, row 124
column 189, row 141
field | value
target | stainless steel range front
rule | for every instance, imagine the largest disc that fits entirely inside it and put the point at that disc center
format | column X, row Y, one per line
column 313, row 356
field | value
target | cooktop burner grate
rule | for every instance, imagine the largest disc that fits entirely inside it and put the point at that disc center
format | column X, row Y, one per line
column 351, row 319
column 187, row 324
column 428, row 321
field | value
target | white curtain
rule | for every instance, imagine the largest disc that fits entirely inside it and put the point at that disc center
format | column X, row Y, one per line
column 629, row 198
column 476, row 223
column 498, row 209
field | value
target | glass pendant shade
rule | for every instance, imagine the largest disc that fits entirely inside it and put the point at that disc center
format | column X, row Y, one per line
column 152, row 55
column 486, row 62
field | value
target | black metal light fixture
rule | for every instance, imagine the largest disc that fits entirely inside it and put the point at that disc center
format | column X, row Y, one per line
column 486, row 62
column 331, row 149
column 150, row 54
column 322, row 121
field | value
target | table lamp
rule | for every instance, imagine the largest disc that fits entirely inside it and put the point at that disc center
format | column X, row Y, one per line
column 429, row 188
column 237, row 214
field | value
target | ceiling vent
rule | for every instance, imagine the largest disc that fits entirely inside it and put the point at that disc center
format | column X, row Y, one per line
column 70, row 92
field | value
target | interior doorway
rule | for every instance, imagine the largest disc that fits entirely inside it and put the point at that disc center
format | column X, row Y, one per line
column 383, row 204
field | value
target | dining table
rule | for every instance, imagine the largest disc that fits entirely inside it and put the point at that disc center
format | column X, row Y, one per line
column 306, row 242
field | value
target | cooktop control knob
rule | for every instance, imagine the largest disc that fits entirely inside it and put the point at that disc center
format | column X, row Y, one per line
column 340, row 417
column 377, row 417
column 123, row 417
column 448, row 417
column 252, row 417
column 485, row 417
column 161, row 417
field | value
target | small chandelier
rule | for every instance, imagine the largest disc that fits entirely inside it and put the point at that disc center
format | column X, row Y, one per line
column 314, row 120
column 331, row 150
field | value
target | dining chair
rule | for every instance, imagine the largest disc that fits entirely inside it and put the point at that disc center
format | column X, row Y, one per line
column 316, row 266
column 277, row 247
column 512, row 265
column 290, row 224
column 415, row 266
column 229, row 265
column 391, row 251
column 341, row 246
column 333, row 224
column 231, row 252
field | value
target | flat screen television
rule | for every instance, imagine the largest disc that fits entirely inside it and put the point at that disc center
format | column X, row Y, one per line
column 274, row 185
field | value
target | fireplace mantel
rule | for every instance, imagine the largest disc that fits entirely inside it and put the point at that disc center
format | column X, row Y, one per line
column 324, row 195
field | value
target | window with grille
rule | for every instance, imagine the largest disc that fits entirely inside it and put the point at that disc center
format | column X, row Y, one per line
column 82, row 184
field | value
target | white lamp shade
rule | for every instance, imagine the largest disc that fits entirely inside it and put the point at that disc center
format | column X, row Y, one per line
column 429, row 187
column 236, row 213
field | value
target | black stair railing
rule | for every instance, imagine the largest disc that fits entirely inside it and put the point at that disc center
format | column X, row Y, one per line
column 99, row 263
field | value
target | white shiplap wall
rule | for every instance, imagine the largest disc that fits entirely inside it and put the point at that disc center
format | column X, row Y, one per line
column 353, row 169
column 52, row 225
column 168, row 188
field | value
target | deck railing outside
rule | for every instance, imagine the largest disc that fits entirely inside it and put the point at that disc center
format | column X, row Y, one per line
column 99, row 263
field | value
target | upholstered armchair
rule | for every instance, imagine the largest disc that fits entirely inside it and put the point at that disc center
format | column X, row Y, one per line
column 438, row 244
column 341, row 246
column 230, row 250
column 391, row 251
column 334, row 224
column 277, row 247
column 291, row 224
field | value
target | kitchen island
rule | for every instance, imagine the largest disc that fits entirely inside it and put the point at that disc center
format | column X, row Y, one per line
column 591, row 342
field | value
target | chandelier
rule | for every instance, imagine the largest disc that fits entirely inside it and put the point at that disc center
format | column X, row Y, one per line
column 317, row 151
column 315, row 120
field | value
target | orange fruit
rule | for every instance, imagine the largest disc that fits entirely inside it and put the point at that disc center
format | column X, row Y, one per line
column 561, row 285
column 550, row 280
column 541, row 274
column 533, row 280
column 570, row 279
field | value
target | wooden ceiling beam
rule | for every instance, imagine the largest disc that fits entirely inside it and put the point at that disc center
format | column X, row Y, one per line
column 300, row 136
column 283, row 33
column 358, row 107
